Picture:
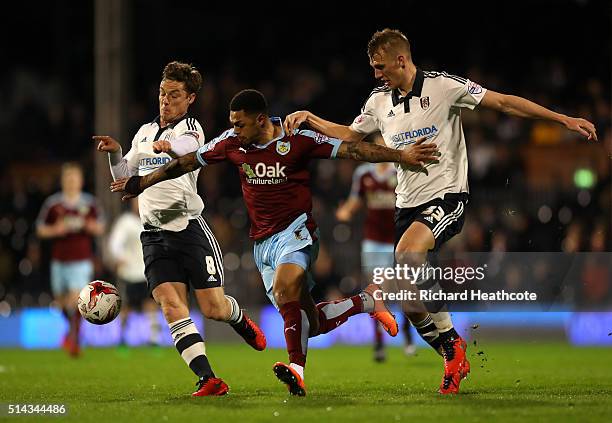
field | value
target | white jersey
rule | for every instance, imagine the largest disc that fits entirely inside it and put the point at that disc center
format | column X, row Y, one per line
column 432, row 109
column 169, row 204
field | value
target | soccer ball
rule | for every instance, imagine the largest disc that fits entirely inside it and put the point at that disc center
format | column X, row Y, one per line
column 99, row 302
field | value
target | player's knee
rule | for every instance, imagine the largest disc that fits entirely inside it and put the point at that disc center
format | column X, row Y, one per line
column 279, row 297
column 412, row 255
column 173, row 309
column 285, row 293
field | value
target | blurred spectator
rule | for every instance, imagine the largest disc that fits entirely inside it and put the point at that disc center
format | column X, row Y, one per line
column 70, row 219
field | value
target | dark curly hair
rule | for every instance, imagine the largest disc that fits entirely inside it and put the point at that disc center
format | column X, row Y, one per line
column 184, row 72
column 251, row 101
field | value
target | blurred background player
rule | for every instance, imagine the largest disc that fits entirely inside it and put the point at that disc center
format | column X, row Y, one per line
column 179, row 248
column 125, row 249
column 273, row 169
column 431, row 198
column 71, row 220
column 374, row 187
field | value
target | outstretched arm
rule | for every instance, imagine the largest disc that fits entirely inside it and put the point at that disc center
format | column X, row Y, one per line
column 367, row 152
column 134, row 185
column 521, row 107
column 331, row 129
column 120, row 167
column 417, row 154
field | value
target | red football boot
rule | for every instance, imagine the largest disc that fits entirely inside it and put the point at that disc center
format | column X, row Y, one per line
column 287, row 375
column 210, row 386
column 456, row 365
column 251, row 333
column 70, row 346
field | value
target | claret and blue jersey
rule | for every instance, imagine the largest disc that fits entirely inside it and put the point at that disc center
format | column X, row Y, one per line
column 275, row 176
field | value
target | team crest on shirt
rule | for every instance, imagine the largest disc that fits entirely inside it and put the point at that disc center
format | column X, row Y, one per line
column 282, row 147
column 299, row 236
column 474, row 88
column 425, row 103
column 320, row 138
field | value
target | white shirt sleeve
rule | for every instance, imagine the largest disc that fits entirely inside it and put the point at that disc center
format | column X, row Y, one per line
column 463, row 92
column 188, row 137
column 123, row 167
column 366, row 122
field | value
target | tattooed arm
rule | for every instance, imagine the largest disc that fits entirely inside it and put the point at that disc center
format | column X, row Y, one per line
column 415, row 155
column 134, row 185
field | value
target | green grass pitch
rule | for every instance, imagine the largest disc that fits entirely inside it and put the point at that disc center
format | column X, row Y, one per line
column 509, row 382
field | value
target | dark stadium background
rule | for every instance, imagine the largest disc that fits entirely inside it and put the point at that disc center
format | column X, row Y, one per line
column 522, row 173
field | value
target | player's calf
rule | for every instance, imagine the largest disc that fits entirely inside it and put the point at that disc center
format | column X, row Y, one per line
column 332, row 314
column 335, row 313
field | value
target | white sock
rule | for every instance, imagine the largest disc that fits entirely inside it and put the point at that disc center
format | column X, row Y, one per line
column 193, row 349
column 236, row 313
column 442, row 320
column 299, row 369
column 368, row 302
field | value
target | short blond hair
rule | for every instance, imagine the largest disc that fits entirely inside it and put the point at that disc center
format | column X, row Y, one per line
column 389, row 40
